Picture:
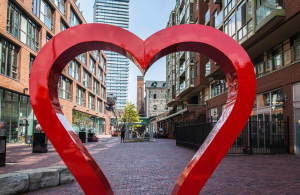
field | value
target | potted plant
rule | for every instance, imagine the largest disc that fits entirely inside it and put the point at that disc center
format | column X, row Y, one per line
column 40, row 140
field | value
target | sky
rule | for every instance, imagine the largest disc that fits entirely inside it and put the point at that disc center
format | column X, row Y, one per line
column 146, row 18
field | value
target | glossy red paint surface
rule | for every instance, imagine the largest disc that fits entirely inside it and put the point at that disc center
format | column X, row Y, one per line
column 65, row 46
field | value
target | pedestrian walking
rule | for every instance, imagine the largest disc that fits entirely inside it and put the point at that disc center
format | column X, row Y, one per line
column 122, row 134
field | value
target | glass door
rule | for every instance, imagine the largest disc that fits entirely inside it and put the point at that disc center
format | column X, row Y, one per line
column 23, row 131
column 297, row 129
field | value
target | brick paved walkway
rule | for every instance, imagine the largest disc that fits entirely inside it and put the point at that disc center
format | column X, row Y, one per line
column 153, row 168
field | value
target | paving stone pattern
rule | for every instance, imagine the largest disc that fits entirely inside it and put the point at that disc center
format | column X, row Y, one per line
column 153, row 168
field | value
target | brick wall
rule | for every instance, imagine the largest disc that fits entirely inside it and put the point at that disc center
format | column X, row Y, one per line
column 24, row 54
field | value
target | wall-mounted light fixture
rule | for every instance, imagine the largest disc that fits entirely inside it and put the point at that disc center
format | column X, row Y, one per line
column 25, row 89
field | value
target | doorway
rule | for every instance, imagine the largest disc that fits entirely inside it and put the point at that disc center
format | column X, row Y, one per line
column 297, row 131
column 23, row 131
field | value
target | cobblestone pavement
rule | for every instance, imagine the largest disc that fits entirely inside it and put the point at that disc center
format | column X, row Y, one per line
column 153, row 168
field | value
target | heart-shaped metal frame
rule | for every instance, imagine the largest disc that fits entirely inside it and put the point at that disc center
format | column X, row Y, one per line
column 65, row 46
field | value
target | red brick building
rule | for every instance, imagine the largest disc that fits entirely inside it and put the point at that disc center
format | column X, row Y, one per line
column 140, row 99
column 269, row 32
column 25, row 27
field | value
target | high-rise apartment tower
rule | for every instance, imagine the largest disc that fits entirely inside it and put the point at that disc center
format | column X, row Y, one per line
column 115, row 12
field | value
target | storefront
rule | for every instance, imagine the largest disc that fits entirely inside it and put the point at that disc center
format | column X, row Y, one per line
column 17, row 117
column 85, row 122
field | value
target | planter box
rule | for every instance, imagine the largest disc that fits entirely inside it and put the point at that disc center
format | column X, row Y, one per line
column 82, row 137
column 39, row 144
column 2, row 150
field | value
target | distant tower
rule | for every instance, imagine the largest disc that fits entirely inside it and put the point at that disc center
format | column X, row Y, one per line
column 140, row 96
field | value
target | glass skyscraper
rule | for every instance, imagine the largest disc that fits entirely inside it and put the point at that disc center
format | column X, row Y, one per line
column 115, row 12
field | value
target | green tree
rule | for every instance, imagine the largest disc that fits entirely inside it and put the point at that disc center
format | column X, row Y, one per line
column 130, row 115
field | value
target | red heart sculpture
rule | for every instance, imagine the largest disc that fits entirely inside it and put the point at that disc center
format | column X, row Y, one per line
column 65, row 46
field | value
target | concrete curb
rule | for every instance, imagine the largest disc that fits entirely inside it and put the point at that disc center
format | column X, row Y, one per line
column 34, row 179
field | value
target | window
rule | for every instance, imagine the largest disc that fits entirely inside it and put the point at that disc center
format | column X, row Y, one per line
column 192, row 75
column 92, row 65
column 230, row 26
column 215, row 16
column 228, row 5
column 99, row 105
column 197, row 69
column 86, row 79
column 48, row 37
column 80, row 96
column 244, row 19
column 196, row 5
column 63, row 26
column 154, row 96
column 96, row 87
column 74, row 20
column 21, row 27
column 166, row 107
column 102, row 92
column 103, row 63
column 64, row 88
column 207, row 68
column 154, row 107
column 218, row 87
column 82, row 57
column 46, row 15
column 91, row 102
column 9, row 59
column 97, row 55
column 74, row 69
column 31, row 60
column 61, row 5
column 100, row 74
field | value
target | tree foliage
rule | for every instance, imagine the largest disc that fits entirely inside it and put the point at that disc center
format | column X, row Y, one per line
column 130, row 115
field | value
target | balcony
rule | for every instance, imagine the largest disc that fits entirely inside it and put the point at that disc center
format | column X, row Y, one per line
column 217, row 1
column 279, row 61
column 219, row 20
column 270, row 10
column 182, row 69
column 182, row 87
column 207, row 16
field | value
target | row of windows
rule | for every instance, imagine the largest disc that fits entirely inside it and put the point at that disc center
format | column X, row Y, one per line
column 80, row 100
column 65, row 91
column 21, row 27
column 155, row 107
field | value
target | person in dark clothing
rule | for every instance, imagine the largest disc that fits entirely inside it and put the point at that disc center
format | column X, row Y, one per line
column 122, row 134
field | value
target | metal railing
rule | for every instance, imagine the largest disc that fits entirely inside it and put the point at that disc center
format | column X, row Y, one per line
column 267, row 8
column 257, row 137
column 219, row 19
column 280, row 60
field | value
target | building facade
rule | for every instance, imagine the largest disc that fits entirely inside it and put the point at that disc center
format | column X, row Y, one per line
column 115, row 12
column 268, row 31
column 27, row 26
column 155, row 100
